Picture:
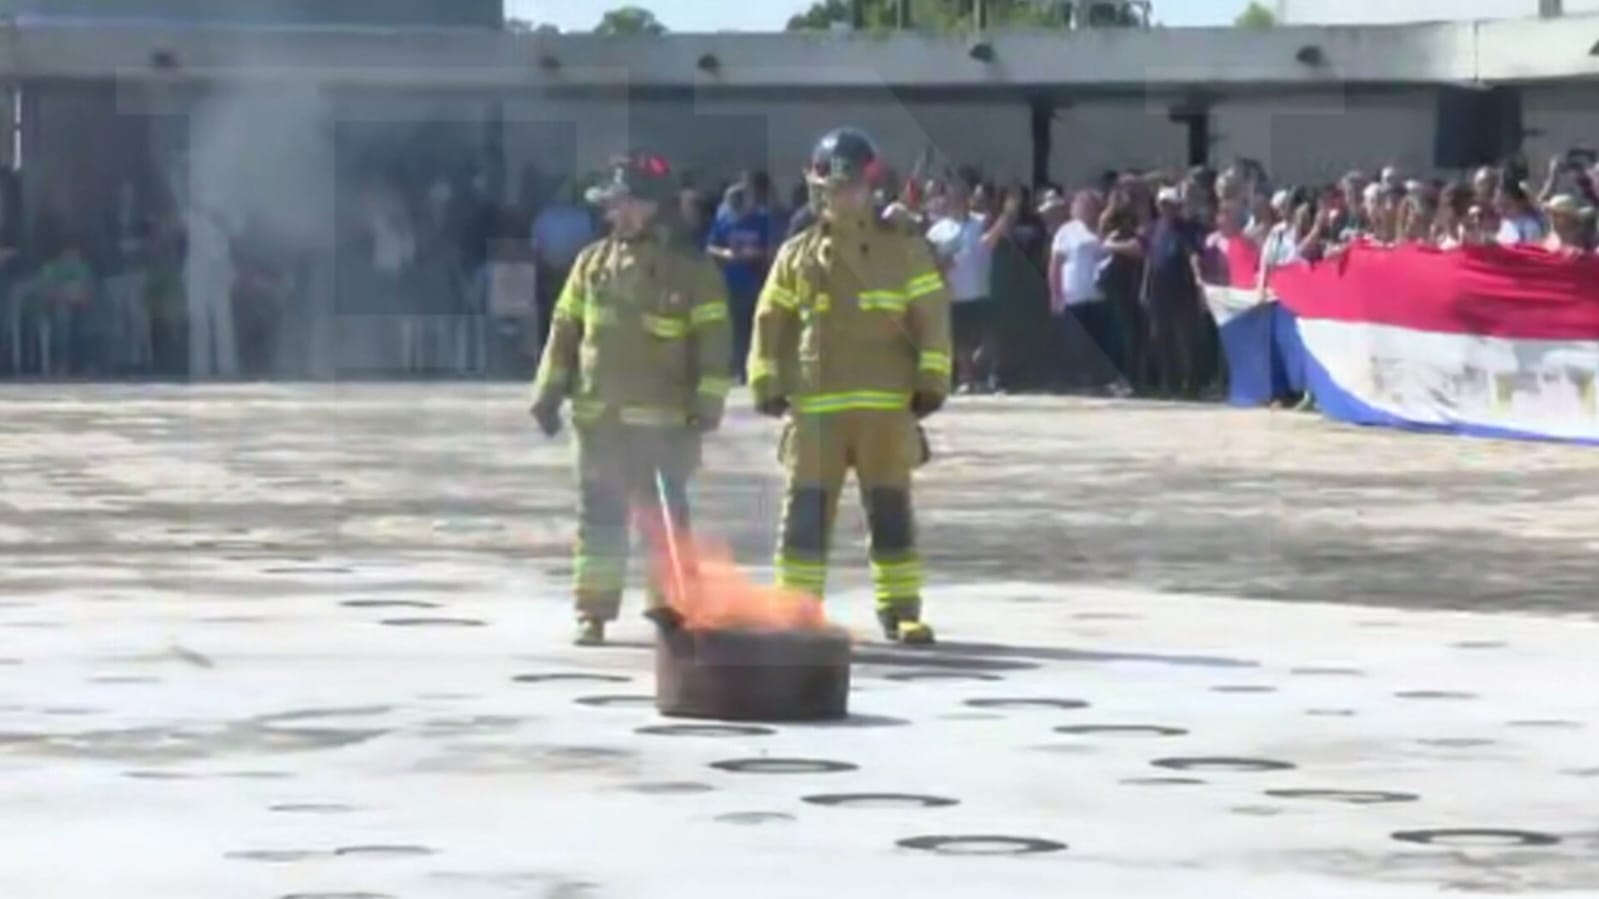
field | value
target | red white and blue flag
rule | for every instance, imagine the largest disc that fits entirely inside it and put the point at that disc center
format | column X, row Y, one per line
column 1495, row 341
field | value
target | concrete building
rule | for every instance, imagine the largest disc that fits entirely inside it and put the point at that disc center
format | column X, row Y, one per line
column 1308, row 102
column 290, row 124
column 1376, row 12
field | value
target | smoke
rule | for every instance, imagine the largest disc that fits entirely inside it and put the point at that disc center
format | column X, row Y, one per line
column 264, row 155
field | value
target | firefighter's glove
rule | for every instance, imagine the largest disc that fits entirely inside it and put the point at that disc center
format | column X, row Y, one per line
column 924, row 404
column 548, row 417
column 776, row 407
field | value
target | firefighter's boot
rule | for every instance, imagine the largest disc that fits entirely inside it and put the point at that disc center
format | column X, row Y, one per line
column 905, row 626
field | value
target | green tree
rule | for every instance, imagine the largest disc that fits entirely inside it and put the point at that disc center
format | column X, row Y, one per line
column 627, row 21
column 934, row 15
column 1256, row 17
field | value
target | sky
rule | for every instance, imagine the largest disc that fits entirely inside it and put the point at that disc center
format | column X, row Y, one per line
column 772, row 15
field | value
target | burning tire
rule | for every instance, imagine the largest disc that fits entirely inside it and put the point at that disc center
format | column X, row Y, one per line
column 753, row 675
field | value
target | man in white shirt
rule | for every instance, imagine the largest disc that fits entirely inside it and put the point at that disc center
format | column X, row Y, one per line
column 1087, row 321
column 208, row 288
column 963, row 243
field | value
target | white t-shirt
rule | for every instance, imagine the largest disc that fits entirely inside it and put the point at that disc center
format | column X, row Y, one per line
column 393, row 247
column 959, row 243
column 1081, row 255
column 1526, row 229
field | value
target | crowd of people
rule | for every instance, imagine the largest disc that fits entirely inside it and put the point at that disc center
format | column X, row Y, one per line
column 1120, row 266
column 1100, row 288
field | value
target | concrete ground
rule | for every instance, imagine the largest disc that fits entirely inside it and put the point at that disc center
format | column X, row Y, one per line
column 310, row 642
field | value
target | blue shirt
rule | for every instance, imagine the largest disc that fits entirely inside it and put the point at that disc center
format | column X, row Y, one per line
column 561, row 232
column 1170, row 247
column 752, row 230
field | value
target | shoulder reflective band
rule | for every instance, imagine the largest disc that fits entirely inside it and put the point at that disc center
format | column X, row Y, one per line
column 709, row 313
column 667, row 328
column 825, row 403
column 715, row 387
column 935, row 362
column 924, row 284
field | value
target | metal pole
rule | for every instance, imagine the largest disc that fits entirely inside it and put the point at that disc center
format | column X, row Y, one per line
column 902, row 14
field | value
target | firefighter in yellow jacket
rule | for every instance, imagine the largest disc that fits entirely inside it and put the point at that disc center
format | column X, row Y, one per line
column 852, row 346
column 639, row 343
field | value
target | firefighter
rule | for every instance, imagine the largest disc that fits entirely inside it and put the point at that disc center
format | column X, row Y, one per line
column 639, row 342
column 852, row 349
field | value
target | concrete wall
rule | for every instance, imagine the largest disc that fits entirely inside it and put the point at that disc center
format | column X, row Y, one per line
column 1557, row 118
column 718, row 137
column 1091, row 136
column 1310, row 138
column 1363, row 12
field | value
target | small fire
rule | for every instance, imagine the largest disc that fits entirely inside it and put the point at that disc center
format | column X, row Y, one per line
column 704, row 585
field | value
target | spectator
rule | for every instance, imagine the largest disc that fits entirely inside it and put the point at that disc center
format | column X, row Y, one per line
column 963, row 243
column 1172, row 297
column 1417, row 211
column 208, row 291
column 1234, row 255
column 1391, row 180
column 761, row 196
column 124, row 267
column 1485, row 186
column 1519, row 222
column 1020, row 289
column 1378, row 217
column 1121, row 278
column 1448, row 229
column 164, row 298
column 1318, row 226
column 1200, row 196
column 804, row 215
column 982, row 200
column 1481, row 226
column 741, row 243
column 1280, row 245
column 1088, row 323
column 692, row 218
column 1352, row 187
column 561, row 229
column 1567, row 234
column 1054, row 212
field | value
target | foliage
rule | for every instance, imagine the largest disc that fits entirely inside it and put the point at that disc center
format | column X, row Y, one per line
column 933, row 15
column 629, row 21
column 1256, row 17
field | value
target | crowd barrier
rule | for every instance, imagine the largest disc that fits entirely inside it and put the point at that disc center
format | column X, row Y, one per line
column 1490, row 341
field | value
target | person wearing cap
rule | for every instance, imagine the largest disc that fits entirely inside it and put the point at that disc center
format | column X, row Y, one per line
column 639, row 343
column 851, row 350
column 1172, row 297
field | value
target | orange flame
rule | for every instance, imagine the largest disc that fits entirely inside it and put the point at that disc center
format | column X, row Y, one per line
column 704, row 585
